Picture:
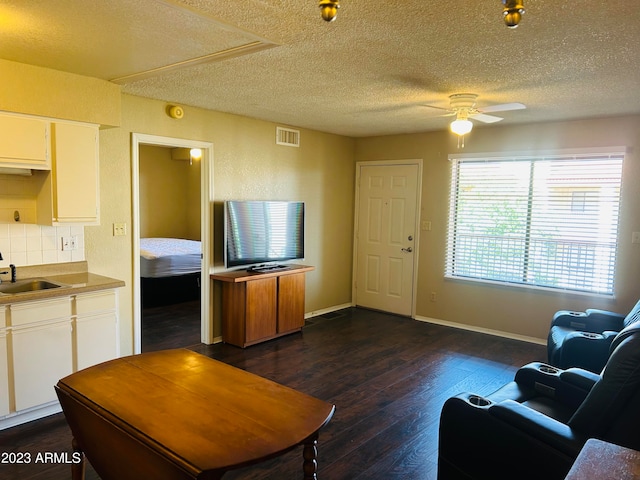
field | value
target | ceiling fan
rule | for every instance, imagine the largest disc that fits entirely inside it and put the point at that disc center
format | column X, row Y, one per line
column 463, row 106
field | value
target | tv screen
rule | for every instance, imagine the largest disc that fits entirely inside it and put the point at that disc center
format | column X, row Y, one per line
column 262, row 232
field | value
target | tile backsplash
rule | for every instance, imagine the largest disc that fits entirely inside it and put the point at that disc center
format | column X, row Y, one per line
column 28, row 244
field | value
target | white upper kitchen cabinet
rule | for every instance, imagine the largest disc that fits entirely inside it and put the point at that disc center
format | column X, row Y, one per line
column 24, row 142
column 70, row 195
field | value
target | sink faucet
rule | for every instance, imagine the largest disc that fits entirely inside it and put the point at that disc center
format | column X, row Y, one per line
column 12, row 267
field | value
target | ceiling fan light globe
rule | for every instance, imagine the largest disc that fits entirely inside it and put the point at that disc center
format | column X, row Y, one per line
column 461, row 127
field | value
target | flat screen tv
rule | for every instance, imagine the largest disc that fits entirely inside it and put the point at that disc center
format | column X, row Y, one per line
column 259, row 234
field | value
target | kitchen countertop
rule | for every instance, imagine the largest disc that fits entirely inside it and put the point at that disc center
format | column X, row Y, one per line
column 74, row 277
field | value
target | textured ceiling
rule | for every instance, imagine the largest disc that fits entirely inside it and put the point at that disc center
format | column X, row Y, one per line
column 370, row 72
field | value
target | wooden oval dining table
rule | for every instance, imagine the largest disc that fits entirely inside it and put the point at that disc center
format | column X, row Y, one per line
column 177, row 414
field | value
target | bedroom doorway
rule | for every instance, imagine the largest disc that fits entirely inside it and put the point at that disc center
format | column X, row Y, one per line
column 172, row 234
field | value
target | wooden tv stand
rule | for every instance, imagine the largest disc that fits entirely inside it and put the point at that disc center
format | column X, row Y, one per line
column 260, row 306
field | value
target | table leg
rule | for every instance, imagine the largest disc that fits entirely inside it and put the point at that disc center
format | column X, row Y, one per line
column 310, row 455
column 77, row 469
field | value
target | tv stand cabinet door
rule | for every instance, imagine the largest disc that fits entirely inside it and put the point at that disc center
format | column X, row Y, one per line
column 290, row 302
column 261, row 309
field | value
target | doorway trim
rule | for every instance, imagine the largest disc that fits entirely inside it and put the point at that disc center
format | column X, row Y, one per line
column 206, row 229
column 388, row 163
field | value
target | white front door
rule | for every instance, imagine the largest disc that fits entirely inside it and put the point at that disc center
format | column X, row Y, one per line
column 386, row 237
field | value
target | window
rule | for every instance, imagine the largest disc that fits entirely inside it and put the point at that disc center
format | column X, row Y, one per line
column 549, row 221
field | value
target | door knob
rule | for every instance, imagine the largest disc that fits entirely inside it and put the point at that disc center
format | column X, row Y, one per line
column 408, row 249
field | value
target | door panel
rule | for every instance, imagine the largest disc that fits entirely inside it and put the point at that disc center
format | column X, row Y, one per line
column 261, row 308
column 385, row 239
column 372, row 273
column 290, row 302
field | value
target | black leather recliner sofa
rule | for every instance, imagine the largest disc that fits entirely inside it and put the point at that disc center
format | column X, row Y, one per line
column 535, row 426
column 583, row 339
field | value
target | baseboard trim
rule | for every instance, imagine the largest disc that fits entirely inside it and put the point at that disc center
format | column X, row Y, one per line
column 436, row 321
column 30, row 414
column 488, row 331
column 324, row 311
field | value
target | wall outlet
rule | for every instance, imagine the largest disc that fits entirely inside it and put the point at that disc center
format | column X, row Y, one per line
column 119, row 229
column 70, row 243
column 433, row 296
column 635, row 237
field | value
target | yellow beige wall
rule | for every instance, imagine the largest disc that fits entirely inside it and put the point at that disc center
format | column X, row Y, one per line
column 169, row 195
column 247, row 165
column 516, row 311
column 50, row 93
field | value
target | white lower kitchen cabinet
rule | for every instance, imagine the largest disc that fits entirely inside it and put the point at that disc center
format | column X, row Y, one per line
column 4, row 373
column 96, row 320
column 40, row 336
column 43, row 341
column 42, row 355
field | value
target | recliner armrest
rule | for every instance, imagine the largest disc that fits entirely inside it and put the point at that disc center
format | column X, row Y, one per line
column 474, row 443
column 587, row 350
column 579, row 377
column 591, row 320
column 596, row 314
column 569, row 318
column 550, row 381
column 606, row 336
column 546, row 429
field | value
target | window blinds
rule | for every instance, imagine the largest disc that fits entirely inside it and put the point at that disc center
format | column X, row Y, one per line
column 547, row 221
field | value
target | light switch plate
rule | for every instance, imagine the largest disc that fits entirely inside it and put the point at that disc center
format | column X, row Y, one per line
column 119, row 229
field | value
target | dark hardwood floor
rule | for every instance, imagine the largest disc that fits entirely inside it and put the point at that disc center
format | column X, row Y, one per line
column 171, row 326
column 387, row 375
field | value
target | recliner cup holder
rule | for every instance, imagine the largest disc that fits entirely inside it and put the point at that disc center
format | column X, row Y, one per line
column 548, row 369
column 479, row 401
column 591, row 335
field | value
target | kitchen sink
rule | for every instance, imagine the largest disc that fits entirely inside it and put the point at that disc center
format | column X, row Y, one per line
column 28, row 285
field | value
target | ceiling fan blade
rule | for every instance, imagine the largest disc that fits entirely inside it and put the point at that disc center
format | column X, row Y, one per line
column 485, row 118
column 444, row 112
column 437, row 108
column 504, row 107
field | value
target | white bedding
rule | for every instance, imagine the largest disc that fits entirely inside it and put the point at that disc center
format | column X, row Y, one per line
column 168, row 257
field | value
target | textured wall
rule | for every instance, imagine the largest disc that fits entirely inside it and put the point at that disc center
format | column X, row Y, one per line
column 50, row 93
column 517, row 311
column 169, row 196
column 247, row 165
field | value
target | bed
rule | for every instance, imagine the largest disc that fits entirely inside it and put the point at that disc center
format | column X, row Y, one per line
column 169, row 270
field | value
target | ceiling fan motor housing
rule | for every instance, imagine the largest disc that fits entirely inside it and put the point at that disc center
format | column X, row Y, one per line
column 463, row 101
